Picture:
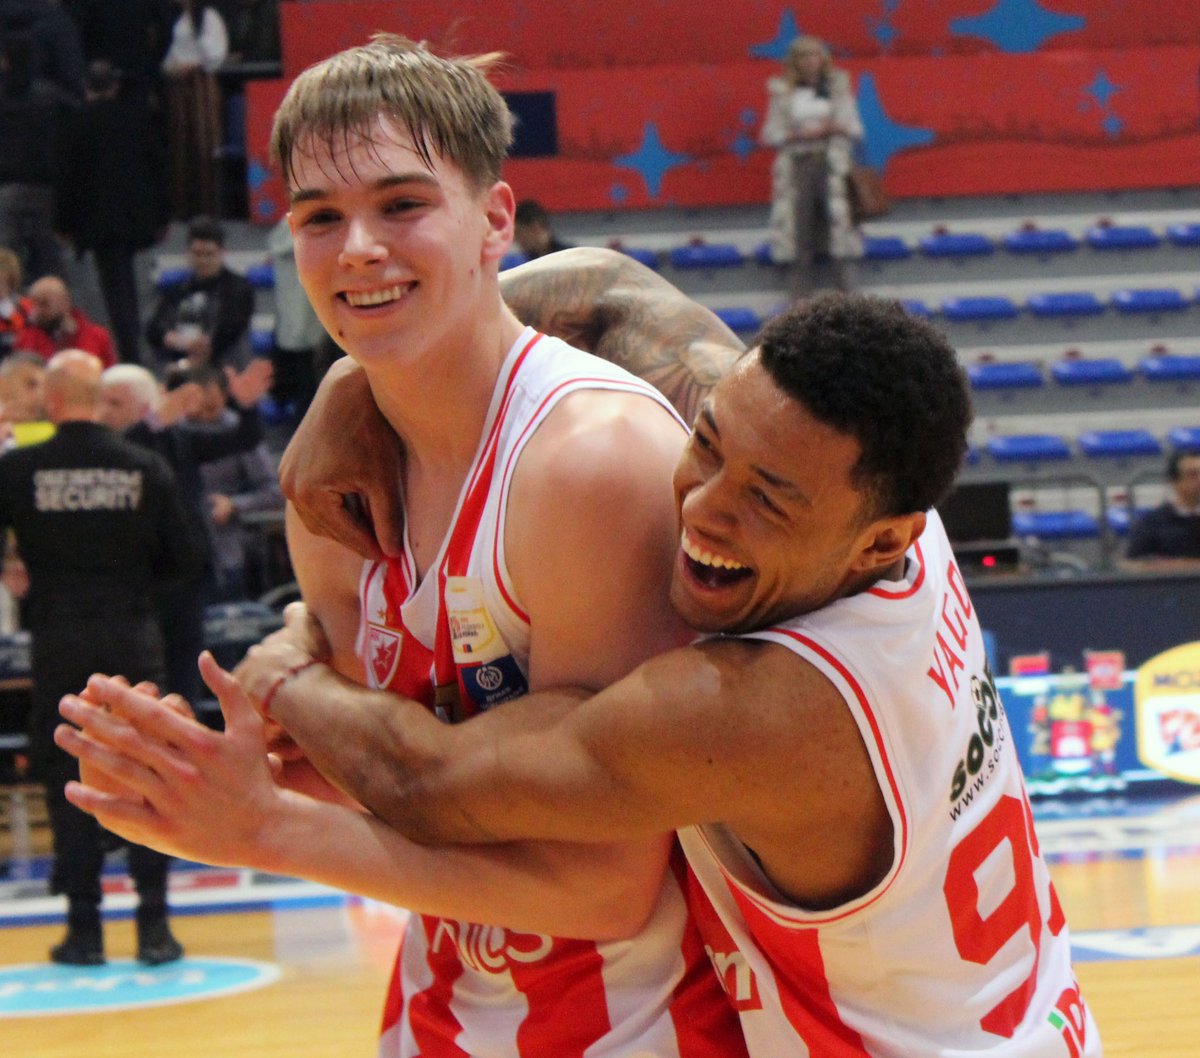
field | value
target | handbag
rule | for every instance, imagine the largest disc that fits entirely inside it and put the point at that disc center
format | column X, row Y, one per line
column 868, row 199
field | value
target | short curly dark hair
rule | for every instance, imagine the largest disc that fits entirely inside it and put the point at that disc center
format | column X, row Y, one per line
column 890, row 380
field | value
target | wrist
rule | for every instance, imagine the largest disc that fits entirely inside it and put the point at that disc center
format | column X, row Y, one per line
column 282, row 680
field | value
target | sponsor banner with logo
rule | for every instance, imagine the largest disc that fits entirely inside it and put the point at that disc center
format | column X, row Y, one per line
column 1098, row 727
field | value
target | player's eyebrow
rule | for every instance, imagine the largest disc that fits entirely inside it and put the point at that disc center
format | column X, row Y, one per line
column 384, row 183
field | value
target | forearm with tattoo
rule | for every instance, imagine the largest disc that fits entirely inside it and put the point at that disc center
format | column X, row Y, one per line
column 612, row 306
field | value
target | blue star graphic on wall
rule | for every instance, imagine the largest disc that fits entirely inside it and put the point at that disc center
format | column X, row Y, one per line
column 788, row 31
column 652, row 160
column 743, row 145
column 1017, row 26
column 884, row 137
column 1102, row 89
column 881, row 29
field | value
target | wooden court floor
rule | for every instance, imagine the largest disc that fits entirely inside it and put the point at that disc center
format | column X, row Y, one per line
column 1129, row 886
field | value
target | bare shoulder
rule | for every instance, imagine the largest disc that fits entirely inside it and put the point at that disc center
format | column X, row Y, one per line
column 590, row 537
column 601, row 437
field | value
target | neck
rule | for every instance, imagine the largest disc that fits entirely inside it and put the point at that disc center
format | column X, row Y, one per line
column 438, row 404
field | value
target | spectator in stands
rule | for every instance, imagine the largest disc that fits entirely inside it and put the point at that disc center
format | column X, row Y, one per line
column 22, row 401
column 1171, row 531
column 57, row 325
column 236, row 486
column 34, row 117
column 534, row 232
column 15, row 308
column 206, row 318
column 114, row 201
column 98, row 522
column 133, row 402
column 199, row 45
column 813, row 122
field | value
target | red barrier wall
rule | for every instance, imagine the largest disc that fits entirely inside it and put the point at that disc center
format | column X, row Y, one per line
column 959, row 97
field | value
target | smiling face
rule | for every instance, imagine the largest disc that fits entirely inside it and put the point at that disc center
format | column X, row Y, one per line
column 771, row 524
column 398, row 257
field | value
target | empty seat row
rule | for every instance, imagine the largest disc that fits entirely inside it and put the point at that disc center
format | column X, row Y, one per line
column 1039, row 448
column 1032, row 241
column 1084, row 371
column 1075, row 303
column 700, row 253
column 1073, row 525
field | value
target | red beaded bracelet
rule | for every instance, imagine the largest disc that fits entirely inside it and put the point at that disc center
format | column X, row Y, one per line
column 295, row 670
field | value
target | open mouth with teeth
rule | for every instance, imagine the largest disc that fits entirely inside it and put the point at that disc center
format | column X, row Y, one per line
column 369, row 299
column 709, row 570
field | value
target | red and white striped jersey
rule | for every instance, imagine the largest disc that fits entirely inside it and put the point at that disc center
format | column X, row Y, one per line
column 962, row 949
column 459, row 641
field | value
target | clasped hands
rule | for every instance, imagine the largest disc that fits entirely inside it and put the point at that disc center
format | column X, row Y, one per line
column 152, row 773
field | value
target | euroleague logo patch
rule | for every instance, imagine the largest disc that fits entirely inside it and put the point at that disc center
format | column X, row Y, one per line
column 35, row 990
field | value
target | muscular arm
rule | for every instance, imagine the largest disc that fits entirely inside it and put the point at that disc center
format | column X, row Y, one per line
column 730, row 731
column 161, row 779
column 609, row 304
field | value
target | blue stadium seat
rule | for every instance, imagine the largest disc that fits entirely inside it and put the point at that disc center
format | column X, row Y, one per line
column 1090, row 371
column 1185, row 438
column 1067, row 303
column 1118, row 444
column 762, row 254
column 1170, row 368
column 916, row 307
column 1005, row 376
column 1160, row 299
column 1122, row 237
column 1184, row 234
column 885, row 248
column 261, row 276
column 1056, row 525
column 957, row 244
column 262, row 343
column 1121, row 518
column 172, row 277
column 739, row 318
column 649, row 258
column 707, row 255
column 979, row 308
column 1029, row 448
column 1040, row 241
column 511, row 260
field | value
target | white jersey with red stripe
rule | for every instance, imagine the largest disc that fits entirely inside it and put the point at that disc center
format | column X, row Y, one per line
column 462, row 988
column 962, row 948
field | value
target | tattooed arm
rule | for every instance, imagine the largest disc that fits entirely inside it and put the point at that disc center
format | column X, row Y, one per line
column 341, row 468
column 609, row 304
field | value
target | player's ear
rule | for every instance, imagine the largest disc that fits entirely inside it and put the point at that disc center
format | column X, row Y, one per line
column 886, row 539
column 499, row 205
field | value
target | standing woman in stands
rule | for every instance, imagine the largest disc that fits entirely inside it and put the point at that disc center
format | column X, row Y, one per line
column 813, row 122
column 199, row 44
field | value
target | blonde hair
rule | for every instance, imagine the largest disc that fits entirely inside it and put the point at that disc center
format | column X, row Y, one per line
column 447, row 105
column 803, row 44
